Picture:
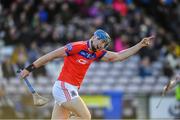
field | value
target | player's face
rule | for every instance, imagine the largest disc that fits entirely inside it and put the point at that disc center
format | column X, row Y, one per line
column 98, row 44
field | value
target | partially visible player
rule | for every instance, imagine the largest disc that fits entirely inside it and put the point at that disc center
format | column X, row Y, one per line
column 172, row 83
column 77, row 58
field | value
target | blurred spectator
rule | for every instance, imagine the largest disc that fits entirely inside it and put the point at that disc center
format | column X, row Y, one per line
column 120, row 43
column 43, row 15
column 172, row 55
column 6, row 105
column 94, row 10
column 34, row 23
column 33, row 52
column 150, row 51
column 145, row 68
column 167, row 69
column 7, row 68
column 19, row 56
column 40, row 72
column 129, row 111
column 26, row 104
column 121, row 7
column 175, row 109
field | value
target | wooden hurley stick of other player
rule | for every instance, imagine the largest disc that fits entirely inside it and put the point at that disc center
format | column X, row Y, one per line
column 170, row 85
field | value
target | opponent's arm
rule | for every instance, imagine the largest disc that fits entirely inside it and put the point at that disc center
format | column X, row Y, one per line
column 122, row 55
column 58, row 53
column 172, row 83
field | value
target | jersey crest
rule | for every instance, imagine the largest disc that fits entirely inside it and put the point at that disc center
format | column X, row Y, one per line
column 87, row 55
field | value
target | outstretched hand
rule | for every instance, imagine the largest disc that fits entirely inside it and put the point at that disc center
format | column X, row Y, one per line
column 147, row 41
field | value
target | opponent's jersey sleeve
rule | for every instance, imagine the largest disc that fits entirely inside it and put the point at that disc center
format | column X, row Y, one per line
column 100, row 54
column 73, row 48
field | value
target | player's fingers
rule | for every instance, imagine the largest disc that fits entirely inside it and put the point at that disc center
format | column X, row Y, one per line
column 147, row 41
column 22, row 74
column 151, row 37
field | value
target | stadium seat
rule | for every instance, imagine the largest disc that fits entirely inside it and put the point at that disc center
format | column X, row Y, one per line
column 157, row 65
column 15, row 81
column 105, row 87
column 3, row 81
column 136, row 80
column 157, row 89
column 129, row 72
column 119, row 87
column 117, row 65
column 104, row 65
column 114, row 73
column 163, row 80
column 97, row 80
column 109, row 81
column 131, row 88
column 100, row 73
column 43, row 80
column 91, row 88
column 124, row 80
column 145, row 89
column 149, row 80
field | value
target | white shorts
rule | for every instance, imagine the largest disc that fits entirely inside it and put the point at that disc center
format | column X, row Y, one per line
column 63, row 92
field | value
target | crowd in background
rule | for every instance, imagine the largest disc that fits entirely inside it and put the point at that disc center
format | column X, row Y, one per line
column 33, row 27
column 28, row 25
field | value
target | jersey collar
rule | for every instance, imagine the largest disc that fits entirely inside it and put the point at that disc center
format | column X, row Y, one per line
column 89, row 46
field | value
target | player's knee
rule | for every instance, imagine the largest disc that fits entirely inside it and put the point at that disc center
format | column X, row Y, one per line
column 87, row 116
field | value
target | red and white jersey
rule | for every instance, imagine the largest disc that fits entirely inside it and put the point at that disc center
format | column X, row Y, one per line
column 77, row 62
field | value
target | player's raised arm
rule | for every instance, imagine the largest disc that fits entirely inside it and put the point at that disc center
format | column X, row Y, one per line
column 58, row 53
column 122, row 55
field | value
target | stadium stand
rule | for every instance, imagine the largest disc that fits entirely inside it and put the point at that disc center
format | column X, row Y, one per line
column 31, row 28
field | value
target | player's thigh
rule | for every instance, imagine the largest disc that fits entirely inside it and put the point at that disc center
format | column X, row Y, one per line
column 78, row 106
column 59, row 112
